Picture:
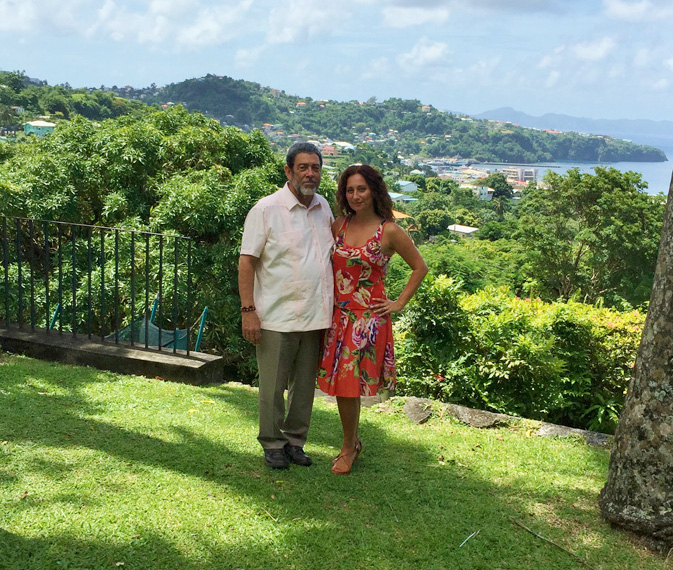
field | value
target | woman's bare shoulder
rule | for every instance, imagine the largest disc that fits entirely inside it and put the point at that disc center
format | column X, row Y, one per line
column 336, row 224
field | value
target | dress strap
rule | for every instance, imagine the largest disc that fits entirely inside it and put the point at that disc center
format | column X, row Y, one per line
column 342, row 230
column 379, row 230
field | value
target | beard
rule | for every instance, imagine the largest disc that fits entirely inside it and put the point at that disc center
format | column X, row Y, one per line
column 304, row 187
column 306, row 190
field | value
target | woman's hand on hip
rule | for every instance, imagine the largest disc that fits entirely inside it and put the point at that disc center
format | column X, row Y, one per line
column 383, row 307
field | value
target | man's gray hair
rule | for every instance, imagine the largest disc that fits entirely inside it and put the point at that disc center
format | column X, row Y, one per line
column 296, row 148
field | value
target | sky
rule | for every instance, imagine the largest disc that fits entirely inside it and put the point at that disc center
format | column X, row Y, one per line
column 601, row 59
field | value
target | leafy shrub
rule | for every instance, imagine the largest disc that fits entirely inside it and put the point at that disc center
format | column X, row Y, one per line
column 567, row 363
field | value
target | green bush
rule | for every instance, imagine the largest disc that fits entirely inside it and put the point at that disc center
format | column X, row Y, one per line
column 566, row 363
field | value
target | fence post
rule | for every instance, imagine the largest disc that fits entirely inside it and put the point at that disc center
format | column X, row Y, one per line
column 19, row 263
column 60, row 279
column 31, row 272
column 47, row 269
column 31, row 238
column 73, row 277
column 161, row 275
column 5, row 263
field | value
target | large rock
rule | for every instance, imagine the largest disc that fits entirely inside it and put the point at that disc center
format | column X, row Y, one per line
column 478, row 418
column 419, row 411
column 591, row 437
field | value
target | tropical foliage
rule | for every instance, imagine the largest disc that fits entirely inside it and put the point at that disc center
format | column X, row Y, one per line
column 567, row 363
column 472, row 337
column 60, row 101
column 167, row 171
column 592, row 237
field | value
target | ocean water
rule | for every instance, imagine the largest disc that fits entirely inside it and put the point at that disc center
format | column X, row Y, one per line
column 656, row 174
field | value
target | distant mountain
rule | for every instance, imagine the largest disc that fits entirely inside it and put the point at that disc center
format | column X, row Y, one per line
column 381, row 130
column 643, row 131
column 394, row 126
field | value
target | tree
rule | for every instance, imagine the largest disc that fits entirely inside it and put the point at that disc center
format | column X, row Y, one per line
column 7, row 115
column 15, row 80
column 162, row 171
column 417, row 179
column 433, row 222
column 593, row 236
column 638, row 494
column 498, row 181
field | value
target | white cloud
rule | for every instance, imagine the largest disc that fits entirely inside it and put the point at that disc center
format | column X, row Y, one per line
column 303, row 19
column 624, row 10
column 493, row 5
column 660, row 85
column 594, row 50
column 642, row 57
column 552, row 79
column 379, row 68
column 669, row 63
column 36, row 15
column 18, row 15
column 181, row 23
column 403, row 17
column 426, row 53
column 642, row 10
column 617, row 71
column 486, row 70
column 247, row 57
column 214, row 26
column 551, row 59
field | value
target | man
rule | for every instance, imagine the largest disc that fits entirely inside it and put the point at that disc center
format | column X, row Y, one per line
column 286, row 287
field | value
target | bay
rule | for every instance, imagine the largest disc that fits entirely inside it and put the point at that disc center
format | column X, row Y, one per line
column 656, row 174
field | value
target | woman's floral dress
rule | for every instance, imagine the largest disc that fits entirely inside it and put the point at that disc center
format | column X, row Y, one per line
column 358, row 357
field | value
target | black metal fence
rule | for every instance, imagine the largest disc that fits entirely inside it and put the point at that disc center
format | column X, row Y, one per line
column 111, row 284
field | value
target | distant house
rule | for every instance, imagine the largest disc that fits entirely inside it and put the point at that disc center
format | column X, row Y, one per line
column 463, row 231
column 400, row 215
column 329, row 150
column 481, row 192
column 407, row 186
column 518, row 174
column 398, row 198
column 344, row 146
column 38, row 128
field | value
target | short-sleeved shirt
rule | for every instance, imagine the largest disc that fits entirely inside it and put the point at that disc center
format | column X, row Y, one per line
column 294, row 289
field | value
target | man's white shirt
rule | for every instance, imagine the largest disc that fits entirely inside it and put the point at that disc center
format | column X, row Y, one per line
column 294, row 285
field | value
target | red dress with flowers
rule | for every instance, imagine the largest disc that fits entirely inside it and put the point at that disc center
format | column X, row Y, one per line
column 358, row 358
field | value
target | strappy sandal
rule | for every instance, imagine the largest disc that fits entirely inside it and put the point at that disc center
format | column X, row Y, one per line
column 345, row 457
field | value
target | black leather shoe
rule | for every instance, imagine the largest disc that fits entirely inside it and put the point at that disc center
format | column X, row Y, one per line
column 276, row 458
column 295, row 454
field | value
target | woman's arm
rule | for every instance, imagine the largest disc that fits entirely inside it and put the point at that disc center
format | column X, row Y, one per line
column 337, row 225
column 396, row 240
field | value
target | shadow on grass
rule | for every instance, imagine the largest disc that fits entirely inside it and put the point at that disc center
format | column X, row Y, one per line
column 400, row 508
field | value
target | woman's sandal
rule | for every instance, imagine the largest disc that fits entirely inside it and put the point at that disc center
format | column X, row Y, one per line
column 345, row 457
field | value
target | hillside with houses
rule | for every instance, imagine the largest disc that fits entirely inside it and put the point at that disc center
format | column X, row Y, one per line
column 392, row 128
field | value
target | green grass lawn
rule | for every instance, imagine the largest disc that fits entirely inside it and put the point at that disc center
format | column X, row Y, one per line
column 99, row 470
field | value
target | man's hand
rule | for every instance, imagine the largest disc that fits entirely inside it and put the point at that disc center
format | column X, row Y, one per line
column 252, row 330
column 250, row 323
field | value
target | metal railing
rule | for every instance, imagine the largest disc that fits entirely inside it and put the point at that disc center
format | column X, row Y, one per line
column 98, row 282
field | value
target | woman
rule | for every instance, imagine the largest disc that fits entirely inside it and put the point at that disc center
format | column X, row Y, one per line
column 358, row 358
